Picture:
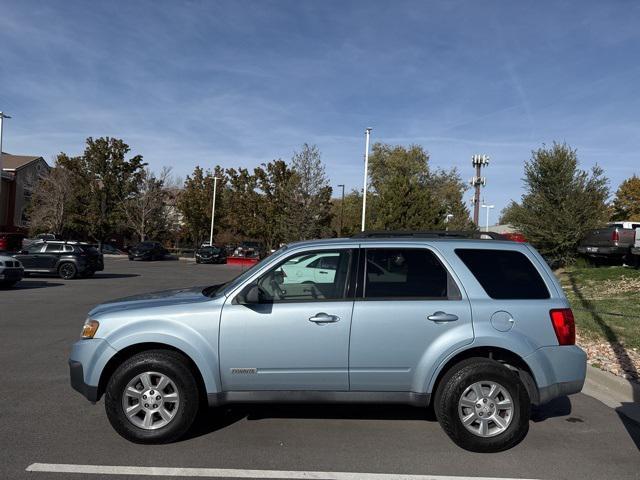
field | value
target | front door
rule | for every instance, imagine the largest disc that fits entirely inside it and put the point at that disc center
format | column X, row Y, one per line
column 406, row 316
column 29, row 259
column 296, row 337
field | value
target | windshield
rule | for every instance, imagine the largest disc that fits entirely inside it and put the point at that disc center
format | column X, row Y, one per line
column 210, row 249
column 227, row 287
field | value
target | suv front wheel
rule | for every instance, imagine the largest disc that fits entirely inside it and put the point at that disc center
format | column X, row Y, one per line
column 152, row 397
column 483, row 406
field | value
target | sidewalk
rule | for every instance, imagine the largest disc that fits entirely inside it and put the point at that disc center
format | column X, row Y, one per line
column 615, row 392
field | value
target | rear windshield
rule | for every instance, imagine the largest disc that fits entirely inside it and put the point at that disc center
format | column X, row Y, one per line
column 504, row 274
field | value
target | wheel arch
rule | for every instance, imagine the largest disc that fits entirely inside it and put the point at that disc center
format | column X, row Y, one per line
column 510, row 359
column 122, row 355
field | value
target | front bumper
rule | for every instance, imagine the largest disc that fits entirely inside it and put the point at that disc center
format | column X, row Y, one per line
column 86, row 363
column 558, row 371
column 76, row 374
column 12, row 274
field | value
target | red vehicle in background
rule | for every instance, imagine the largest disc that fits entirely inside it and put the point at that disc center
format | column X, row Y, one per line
column 515, row 237
column 11, row 241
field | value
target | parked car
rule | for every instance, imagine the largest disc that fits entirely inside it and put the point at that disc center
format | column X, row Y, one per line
column 11, row 241
column 635, row 250
column 110, row 249
column 514, row 236
column 612, row 242
column 480, row 329
column 208, row 254
column 41, row 237
column 148, row 251
column 66, row 259
column 11, row 271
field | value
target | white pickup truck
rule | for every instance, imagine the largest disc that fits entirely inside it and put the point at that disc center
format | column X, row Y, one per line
column 635, row 250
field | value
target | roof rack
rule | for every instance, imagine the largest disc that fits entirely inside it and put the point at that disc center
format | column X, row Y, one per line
column 429, row 234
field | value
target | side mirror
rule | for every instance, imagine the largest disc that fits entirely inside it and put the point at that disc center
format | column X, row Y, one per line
column 253, row 294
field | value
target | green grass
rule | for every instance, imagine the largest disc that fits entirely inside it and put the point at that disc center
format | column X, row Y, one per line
column 605, row 302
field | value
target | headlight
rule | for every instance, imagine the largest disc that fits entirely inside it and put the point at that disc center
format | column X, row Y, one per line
column 89, row 328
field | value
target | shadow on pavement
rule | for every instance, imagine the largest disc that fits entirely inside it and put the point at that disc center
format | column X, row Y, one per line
column 214, row 419
column 104, row 276
column 30, row 284
column 633, row 428
column 558, row 407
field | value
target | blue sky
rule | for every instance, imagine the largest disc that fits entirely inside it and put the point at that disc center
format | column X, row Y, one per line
column 243, row 82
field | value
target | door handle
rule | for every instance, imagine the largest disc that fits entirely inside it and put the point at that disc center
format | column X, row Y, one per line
column 322, row 318
column 442, row 317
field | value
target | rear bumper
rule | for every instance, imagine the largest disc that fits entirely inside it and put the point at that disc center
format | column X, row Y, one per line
column 603, row 251
column 558, row 371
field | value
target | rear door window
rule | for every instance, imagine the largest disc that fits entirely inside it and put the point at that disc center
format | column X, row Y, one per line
column 504, row 274
column 410, row 273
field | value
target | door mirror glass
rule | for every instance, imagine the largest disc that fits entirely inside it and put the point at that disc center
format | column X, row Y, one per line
column 253, row 294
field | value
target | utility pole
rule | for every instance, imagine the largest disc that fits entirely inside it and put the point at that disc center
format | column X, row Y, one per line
column 341, row 211
column 488, row 207
column 2, row 207
column 213, row 210
column 367, row 134
column 478, row 161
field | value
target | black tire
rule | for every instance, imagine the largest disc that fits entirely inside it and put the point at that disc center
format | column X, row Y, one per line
column 451, row 389
column 197, row 260
column 67, row 270
column 166, row 362
column 8, row 283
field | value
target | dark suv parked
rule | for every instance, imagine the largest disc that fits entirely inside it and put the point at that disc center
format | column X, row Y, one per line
column 66, row 259
column 148, row 251
column 208, row 254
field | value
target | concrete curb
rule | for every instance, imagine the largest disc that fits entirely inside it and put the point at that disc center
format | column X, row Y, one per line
column 615, row 392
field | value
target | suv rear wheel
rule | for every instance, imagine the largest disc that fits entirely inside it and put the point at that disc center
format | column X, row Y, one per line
column 152, row 397
column 483, row 406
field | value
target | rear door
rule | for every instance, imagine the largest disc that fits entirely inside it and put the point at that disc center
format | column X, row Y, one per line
column 409, row 311
column 48, row 258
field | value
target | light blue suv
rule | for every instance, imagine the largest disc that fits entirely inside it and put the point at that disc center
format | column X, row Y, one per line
column 479, row 329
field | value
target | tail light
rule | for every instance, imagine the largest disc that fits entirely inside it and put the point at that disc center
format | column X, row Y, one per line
column 564, row 325
column 615, row 236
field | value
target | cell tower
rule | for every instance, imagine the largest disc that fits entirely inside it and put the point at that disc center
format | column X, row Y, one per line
column 478, row 161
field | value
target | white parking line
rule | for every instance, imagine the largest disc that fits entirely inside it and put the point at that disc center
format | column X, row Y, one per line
column 235, row 473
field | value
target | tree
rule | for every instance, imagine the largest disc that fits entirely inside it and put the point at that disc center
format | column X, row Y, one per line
column 102, row 178
column 626, row 205
column 401, row 198
column 351, row 214
column 560, row 203
column 195, row 202
column 52, row 201
column 143, row 209
column 311, row 218
column 447, row 189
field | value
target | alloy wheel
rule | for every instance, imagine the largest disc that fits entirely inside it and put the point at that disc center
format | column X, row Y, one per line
column 485, row 409
column 150, row 400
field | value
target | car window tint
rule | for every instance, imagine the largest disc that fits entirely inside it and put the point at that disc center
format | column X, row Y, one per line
column 295, row 280
column 504, row 274
column 34, row 248
column 68, row 248
column 53, row 248
column 406, row 273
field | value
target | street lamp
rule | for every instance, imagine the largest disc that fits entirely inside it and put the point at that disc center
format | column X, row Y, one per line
column 2, row 117
column 213, row 209
column 367, row 134
column 488, row 207
column 341, row 210
column 447, row 219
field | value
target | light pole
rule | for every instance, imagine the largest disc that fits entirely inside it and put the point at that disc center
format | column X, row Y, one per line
column 367, row 134
column 488, row 207
column 341, row 210
column 2, row 207
column 213, row 210
column 447, row 219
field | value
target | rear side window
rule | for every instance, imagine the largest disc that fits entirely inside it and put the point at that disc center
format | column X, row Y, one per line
column 407, row 273
column 504, row 274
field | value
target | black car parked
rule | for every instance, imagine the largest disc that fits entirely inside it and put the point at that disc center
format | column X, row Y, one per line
column 148, row 251
column 208, row 254
column 66, row 259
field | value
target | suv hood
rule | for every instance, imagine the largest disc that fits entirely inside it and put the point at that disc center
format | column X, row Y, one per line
column 154, row 299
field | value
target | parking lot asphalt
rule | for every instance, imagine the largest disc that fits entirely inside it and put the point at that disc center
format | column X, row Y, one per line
column 42, row 420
